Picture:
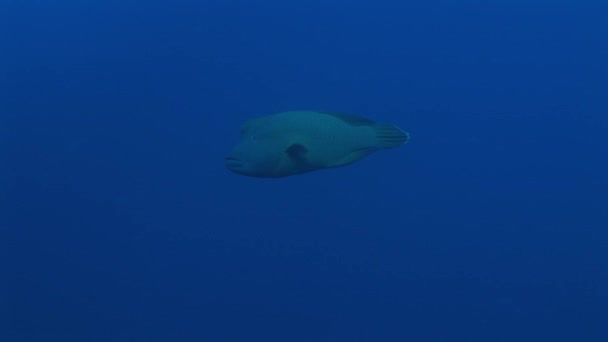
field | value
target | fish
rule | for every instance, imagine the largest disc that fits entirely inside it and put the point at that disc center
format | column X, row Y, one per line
column 297, row 142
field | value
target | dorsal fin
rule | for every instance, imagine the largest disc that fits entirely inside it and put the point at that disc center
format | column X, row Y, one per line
column 352, row 119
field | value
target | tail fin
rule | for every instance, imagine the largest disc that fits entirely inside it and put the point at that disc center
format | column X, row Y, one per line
column 389, row 136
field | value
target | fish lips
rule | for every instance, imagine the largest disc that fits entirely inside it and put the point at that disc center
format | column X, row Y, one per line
column 234, row 164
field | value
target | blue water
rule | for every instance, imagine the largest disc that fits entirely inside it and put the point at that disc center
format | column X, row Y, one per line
column 119, row 221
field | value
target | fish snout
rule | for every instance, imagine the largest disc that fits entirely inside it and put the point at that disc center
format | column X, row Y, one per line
column 234, row 163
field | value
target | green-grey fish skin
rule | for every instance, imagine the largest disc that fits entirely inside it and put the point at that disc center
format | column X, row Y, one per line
column 296, row 142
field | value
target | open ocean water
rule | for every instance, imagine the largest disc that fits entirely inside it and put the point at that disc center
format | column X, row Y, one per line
column 119, row 221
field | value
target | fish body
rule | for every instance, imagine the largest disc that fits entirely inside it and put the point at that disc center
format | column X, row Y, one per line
column 295, row 142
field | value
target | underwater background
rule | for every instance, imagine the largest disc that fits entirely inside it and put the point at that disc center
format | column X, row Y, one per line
column 119, row 221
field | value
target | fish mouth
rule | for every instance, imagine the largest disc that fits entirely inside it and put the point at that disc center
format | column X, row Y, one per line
column 234, row 163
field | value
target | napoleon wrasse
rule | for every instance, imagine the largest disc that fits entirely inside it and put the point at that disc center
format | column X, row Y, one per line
column 296, row 142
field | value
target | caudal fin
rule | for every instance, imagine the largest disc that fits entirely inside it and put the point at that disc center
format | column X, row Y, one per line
column 389, row 136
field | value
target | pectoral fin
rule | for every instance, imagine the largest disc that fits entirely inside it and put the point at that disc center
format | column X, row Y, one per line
column 297, row 151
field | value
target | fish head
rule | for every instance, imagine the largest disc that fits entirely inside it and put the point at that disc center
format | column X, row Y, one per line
column 258, row 154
